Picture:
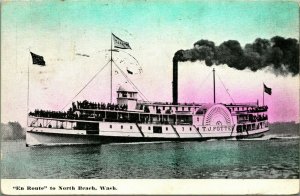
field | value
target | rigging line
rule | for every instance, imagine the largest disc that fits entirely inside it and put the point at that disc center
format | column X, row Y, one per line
column 116, row 50
column 138, row 63
column 78, row 92
column 142, row 95
column 225, row 89
column 85, row 86
column 131, row 83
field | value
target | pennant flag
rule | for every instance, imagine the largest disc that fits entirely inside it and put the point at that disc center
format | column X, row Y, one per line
column 118, row 43
column 267, row 90
column 37, row 59
column 130, row 72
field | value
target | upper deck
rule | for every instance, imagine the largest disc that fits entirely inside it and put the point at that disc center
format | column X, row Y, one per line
column 146, row 112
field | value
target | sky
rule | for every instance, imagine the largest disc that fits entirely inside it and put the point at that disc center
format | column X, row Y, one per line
column 155, row 30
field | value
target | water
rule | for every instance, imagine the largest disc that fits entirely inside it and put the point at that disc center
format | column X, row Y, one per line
column 256, row 158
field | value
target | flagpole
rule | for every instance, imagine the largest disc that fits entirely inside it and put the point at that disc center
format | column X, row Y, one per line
column 28, row 88
column 263, row 94
column 111, row 68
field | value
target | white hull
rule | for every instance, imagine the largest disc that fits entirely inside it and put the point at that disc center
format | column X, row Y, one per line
column 131, row 132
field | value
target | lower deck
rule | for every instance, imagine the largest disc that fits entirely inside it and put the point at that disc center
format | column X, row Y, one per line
column 101, row 132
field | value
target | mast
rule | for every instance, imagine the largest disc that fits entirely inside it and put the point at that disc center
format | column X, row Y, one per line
column 263, row 94
column 214, row 85
column 111, row 69
column 28, row 88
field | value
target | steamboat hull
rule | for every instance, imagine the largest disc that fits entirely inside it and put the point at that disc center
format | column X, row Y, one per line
column 50, row 139
column 58, row 139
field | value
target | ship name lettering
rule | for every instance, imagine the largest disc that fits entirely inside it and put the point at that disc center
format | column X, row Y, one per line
column 217, row 128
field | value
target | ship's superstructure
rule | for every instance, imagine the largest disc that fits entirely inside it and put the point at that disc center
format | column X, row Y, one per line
column 130, row 119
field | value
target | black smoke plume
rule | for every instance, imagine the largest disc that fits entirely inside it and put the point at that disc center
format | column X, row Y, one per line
column 281, row 55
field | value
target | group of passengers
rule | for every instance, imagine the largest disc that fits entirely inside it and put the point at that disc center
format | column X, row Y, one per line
column 259, row 117
column 258, row 109
column 72, row 114
column 93, row 105
column 54, row 114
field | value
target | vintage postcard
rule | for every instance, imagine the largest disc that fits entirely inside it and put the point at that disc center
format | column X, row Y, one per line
column 149, row 97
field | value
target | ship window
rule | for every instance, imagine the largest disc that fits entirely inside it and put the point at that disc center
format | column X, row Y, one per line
column 190, row 128
column 189, row 108
column 121, row 126
column 130, row 127
column 163, row 107
column 239, row 128
column 110, row 126
column 157, row 129
column 166, row 128
column 149, row 128
column 198, row 119
column 182, row 128
column 182, row 108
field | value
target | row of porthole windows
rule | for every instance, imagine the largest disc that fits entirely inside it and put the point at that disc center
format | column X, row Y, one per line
column 170, row 108
column 149, row 128
column 110, row 126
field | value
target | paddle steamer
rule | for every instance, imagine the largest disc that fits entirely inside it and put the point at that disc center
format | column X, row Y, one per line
column 133, row 120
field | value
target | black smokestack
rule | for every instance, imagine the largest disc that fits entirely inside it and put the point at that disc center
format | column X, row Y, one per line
column 203, row 50
column 175, row 81
column 279, row 54
column 176, row 58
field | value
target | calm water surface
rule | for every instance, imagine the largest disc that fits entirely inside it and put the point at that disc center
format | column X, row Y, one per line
column 258, row 158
